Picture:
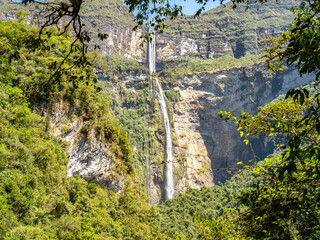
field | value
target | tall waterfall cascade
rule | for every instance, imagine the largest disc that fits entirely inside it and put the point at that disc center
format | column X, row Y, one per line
column 168, row 169
column 152, row 68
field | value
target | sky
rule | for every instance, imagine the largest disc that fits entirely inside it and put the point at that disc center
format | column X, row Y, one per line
column 190, row 7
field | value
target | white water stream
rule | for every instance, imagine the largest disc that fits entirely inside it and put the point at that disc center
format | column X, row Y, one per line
column 168, row 172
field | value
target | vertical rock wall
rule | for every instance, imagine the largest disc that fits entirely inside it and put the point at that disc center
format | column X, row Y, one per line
column 204, row 140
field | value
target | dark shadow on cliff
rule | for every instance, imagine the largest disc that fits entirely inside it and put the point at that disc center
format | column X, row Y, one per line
column 249, row 89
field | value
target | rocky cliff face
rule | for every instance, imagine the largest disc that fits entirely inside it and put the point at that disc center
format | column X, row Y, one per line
column 90, row 156
column 201, row 140
column 225, row 31
column 220, row 31
column 123, row 41
column 108, row 17
column 204, row 140
column 112, row 17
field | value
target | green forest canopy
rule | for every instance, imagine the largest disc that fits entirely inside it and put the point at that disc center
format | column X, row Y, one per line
column 37, row 199
column 287, row 190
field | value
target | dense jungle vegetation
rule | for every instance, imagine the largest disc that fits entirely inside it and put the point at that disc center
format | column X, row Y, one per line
column 277, row 198
column 38, row 201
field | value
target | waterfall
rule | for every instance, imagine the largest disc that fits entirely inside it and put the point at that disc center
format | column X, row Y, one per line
column 168, row 172
column 152, row 68
column 152, row 54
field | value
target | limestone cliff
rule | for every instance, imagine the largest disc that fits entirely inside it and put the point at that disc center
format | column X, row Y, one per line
column 220, row 31
column 92, row 152
column 109, row 17
column 203, row 138
column 225, row 31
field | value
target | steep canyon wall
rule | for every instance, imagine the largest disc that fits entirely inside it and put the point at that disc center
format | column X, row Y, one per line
column 225, row 31
column 203, row 138
column 215, row 33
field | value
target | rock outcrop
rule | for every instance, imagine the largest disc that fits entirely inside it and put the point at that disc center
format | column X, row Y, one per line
column 90, row 156
column 225, row 31
column 204, row 140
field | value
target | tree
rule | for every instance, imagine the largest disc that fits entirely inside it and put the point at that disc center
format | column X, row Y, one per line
column 284, row 203
column 300, row 43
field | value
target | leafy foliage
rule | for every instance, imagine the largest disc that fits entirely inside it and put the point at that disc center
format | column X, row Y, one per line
column 300, row 44
column 129, row 108
column 187, row 214
column 22, row 54
column 284, row 203
column 37, row 199
column 122, row 67
column 172, row 95
column 31, row 70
